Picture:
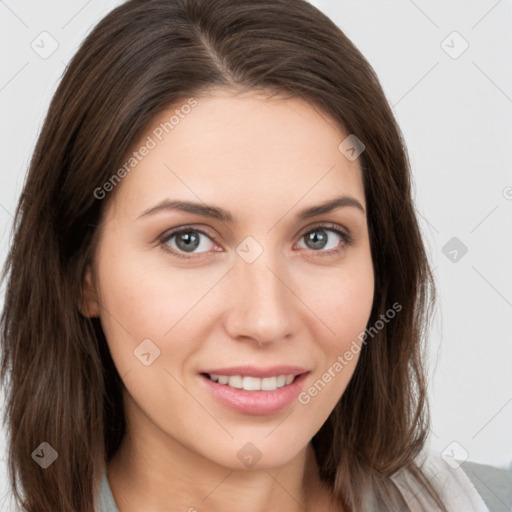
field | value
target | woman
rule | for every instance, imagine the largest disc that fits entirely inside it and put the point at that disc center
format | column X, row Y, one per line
column 217, row 289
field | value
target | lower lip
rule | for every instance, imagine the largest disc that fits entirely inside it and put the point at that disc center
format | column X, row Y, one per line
column 255, row 402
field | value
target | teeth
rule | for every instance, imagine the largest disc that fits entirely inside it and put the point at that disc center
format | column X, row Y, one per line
column 253, row 383
column 235, row 381
column 268, row 383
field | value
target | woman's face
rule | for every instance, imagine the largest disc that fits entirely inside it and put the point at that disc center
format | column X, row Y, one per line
column 259, row 286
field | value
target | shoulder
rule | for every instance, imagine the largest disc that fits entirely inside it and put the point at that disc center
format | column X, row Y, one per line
column 452, row 484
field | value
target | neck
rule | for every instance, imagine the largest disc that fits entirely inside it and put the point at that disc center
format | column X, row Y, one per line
column 151, row 471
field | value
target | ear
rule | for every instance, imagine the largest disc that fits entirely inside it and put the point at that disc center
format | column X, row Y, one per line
column 89, row 306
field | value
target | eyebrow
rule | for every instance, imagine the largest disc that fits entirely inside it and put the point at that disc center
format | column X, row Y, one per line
column 215, row 212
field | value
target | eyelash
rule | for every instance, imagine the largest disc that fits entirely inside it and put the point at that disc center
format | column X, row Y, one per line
column 346, row 240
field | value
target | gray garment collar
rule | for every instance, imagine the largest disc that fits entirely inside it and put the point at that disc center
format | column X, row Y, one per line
column 105, row 501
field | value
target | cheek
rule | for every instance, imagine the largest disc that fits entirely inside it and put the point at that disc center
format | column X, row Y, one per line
column 130, row 304
column 345, row 309
column 349, row 304
column 342, row 300
column 142, row 299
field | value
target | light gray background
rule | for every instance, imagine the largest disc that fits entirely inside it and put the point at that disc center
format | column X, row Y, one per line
column 455, row 112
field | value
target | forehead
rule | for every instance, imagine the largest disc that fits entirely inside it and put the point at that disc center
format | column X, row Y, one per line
column 246, row 150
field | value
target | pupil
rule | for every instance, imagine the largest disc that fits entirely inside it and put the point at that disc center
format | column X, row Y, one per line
column 318, row 242
column 187, row 241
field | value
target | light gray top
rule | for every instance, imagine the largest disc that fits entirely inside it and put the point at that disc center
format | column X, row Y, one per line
column 105, row 501
column 455, row 488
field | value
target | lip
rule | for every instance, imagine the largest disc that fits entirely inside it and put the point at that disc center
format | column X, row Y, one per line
column 255, row 371
column 257, row 403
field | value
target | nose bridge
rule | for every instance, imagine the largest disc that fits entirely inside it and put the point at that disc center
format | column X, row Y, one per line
column 261, row 305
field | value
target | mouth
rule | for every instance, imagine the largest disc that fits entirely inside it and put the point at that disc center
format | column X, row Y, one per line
column 250, row 383
column 255, row 391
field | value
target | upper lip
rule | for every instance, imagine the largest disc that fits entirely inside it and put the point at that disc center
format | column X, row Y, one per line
column 256, row 371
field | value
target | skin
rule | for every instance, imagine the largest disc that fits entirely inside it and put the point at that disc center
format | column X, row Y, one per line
column 262, row 159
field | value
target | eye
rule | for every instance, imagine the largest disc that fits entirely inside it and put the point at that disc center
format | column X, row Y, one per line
column 186, row 240
column 321, row 239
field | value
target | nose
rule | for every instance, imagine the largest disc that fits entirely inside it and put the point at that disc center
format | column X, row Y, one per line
column 261, row 305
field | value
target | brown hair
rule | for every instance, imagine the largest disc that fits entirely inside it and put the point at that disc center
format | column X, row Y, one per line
column 144, row 56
